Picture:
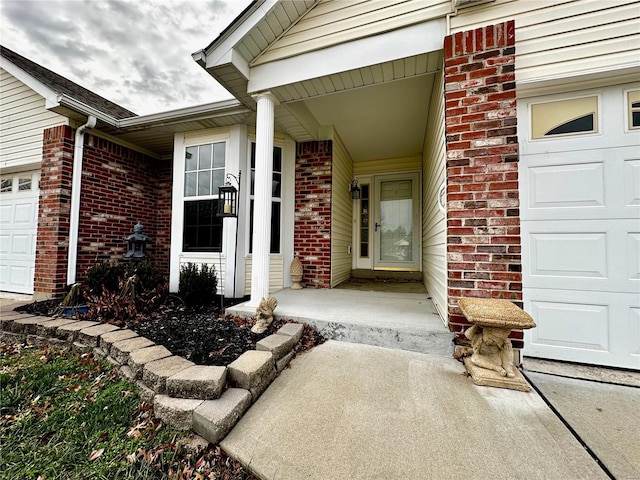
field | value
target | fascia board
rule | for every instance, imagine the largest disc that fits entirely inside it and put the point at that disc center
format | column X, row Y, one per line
column 208, row 110
column 219, row 48
column 235, row 59
column 85, row 109
column 50, row 95
column 394, row 45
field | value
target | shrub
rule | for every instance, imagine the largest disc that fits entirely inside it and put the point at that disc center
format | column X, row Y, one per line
column 111, row 275
column 198, row 285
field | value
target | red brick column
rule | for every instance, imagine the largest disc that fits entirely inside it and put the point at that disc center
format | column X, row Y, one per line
column 483, row 217
column 312, row 234
column 52, row 244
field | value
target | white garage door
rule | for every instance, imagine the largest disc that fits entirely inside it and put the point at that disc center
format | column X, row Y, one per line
column 580, row 211
column 18, row 229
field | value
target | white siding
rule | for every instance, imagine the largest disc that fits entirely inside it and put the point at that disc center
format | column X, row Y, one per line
column 214, row 260
column 561, row 38
column 434, row 263
column 333, row 22
column 23, row 118
column 387, row 165
column 276, row 274
column 341, row 214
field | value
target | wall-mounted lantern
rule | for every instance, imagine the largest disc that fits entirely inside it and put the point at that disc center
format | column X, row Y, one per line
column 136, row 244
column 355, row 190
column 228, row 197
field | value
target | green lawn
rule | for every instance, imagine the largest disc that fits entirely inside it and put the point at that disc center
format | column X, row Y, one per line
column 69, row 416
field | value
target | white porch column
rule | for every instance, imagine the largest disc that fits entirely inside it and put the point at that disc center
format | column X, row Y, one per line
column 262, row 198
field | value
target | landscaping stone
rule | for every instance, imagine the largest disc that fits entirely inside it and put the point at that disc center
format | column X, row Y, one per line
column 80, row 347
column 48, row 329
column 253, row 370
column 99, row 352
column 145, row 393
column 120, row 350
column 279, row 345
column 293, row 330
column 284, row 361
column 155, row 374
column 177, row 412
column 110, row 338
column 10, row 337
column 200, row 381
column 91, row 336
column 37, row 340
column 126, row 372
column 140, row 357
column 70, row 332
column 25, row 325
column 213, row 419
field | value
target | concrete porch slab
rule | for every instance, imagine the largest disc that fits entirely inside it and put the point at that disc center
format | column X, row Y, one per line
column 406, row 321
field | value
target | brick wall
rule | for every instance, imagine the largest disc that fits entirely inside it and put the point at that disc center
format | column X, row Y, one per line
column 312, row 234
column 483, row 222
column 52, row 243
column 119, row 188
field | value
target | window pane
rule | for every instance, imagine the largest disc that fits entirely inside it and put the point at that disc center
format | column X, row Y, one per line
column 24, row 184
column 275, row 227
column 635, row 119
column 277, row 159
column 218, row 154
column 276, row 186
column 190, row 184
column 581, row 124
column 204, row 160
column 191, row 159
column 6, row 184
column 202, row 228
column 218, row 180
column 204, row 183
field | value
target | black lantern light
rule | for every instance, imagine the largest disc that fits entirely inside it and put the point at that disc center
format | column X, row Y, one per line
column 355, row 190
column 136, row 244
column 228, row 197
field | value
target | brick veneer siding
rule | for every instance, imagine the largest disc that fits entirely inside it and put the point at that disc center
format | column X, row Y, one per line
column 52, row 242
column 119, row 188
column 312, row 234
column 483, row 217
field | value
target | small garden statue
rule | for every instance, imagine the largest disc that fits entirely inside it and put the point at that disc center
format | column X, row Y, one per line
column 491, row 363
column 264, row 314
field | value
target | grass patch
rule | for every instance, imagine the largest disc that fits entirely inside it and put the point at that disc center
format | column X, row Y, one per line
column 69, row 416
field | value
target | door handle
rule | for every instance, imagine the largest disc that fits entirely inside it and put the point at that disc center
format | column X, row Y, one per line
column 377, row 225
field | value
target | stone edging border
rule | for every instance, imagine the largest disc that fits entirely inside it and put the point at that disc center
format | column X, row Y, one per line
column 184, row 395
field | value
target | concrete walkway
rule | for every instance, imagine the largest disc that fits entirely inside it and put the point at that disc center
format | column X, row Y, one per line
column 349, row 411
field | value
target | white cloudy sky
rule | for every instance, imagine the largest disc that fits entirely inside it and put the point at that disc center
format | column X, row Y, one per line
column 136, row 53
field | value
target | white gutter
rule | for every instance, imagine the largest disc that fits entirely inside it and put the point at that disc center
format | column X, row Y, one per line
column 76, row 185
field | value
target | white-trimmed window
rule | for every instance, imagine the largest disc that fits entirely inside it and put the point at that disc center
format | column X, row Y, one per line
column 276, row 199
column 203, row 174
column 633, row 109
column 6, row 185
column 575, row 116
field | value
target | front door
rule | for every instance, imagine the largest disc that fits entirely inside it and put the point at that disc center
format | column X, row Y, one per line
column 396, row 222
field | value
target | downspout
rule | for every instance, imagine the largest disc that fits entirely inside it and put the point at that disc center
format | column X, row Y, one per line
column 76, row 185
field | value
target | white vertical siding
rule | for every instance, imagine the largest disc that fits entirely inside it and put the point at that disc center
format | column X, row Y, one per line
column 276, row 274
column 23, row 118
column 434, row 263
column 561, row 38
column 341, row 213
column 333, row 22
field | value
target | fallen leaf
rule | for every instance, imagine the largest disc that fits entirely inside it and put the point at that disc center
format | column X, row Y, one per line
column 96, row 454
column 103, row 437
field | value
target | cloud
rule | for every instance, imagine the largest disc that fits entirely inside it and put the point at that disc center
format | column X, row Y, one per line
column 135, row 53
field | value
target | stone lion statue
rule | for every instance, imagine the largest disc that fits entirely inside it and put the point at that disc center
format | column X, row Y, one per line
column 264, row 314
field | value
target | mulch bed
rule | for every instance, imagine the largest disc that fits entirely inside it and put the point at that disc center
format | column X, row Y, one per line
column 202, row 337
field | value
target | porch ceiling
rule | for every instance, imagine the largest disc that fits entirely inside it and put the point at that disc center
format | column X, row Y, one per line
column 378, row 112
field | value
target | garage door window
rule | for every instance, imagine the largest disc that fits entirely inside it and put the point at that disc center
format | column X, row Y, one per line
column 576, row 116
column 6, row 185
column 24, row 184
column 633, row 105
